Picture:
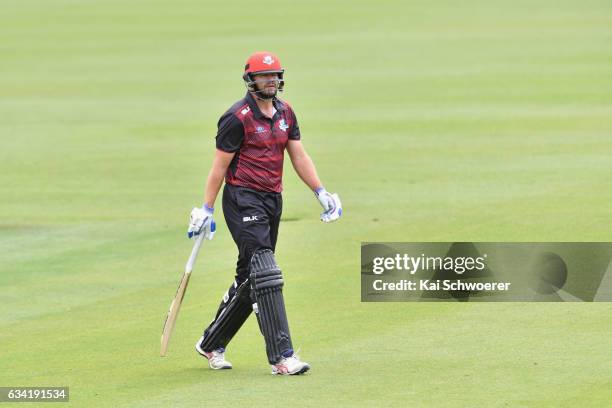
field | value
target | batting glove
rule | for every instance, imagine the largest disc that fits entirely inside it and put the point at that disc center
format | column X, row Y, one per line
column 332, row 207
column 202, row 222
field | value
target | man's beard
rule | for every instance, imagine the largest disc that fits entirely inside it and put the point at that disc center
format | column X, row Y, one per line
column 265, row 93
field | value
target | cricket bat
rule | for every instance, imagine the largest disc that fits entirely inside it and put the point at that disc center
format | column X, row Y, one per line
column 175, row 306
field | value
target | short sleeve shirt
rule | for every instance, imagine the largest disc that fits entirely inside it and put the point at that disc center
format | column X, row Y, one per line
column 258, row 141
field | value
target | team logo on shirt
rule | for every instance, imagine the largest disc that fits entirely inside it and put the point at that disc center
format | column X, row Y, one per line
column 268, row 60
column 260, row 129
column 282, row 125
column 245, row 110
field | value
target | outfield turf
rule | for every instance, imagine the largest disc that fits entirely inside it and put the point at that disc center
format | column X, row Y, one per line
column 434, row 121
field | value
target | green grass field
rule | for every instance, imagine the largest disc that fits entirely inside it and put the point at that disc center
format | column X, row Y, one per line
column 434, row 121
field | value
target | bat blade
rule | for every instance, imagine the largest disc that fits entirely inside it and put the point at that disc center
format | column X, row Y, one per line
column 175, row 307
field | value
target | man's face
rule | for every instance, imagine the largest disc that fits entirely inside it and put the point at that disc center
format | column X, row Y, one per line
column 266, row 84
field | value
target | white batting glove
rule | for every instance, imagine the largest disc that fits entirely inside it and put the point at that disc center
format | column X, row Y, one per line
column 332, row 207
column 202, row 222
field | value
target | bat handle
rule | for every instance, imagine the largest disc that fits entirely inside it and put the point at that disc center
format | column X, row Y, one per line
column 194, row 253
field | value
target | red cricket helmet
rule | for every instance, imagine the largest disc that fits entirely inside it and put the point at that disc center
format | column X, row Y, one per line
column 262, row 62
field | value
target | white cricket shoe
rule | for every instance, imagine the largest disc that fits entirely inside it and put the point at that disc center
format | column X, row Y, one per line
column 290, row 366
column 216, row 358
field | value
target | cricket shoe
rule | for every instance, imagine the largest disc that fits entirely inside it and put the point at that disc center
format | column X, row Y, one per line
column 216, row 358
column 290, row 366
